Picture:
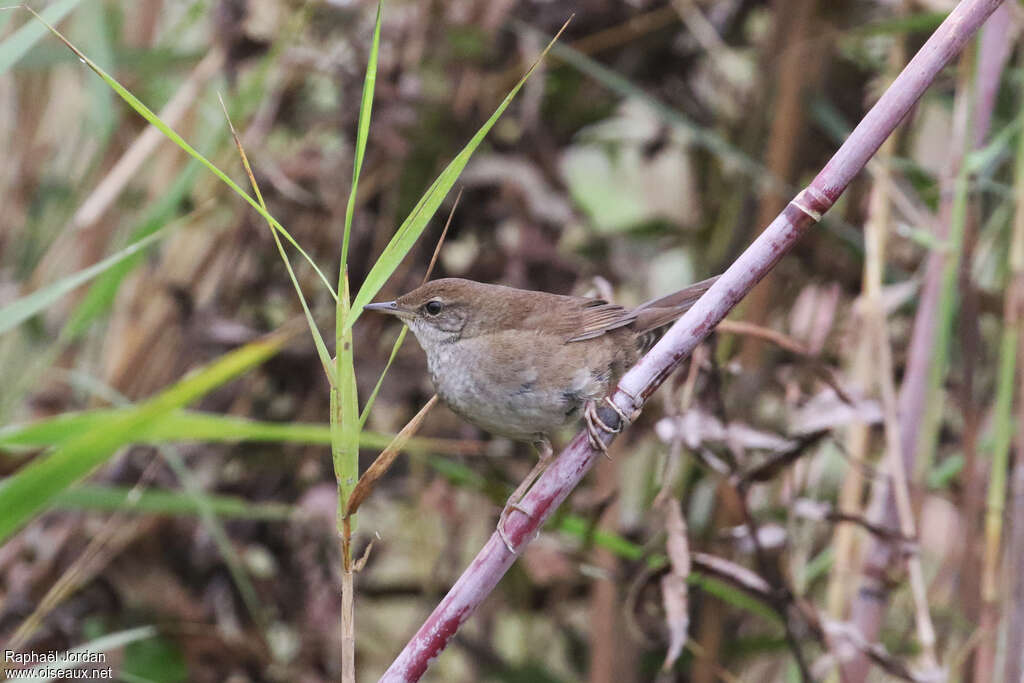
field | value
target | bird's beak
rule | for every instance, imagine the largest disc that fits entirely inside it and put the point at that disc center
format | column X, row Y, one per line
column 385, row 307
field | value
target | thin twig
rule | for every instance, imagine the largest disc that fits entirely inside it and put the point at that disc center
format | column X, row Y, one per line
column 440, row 240
column 781, row 597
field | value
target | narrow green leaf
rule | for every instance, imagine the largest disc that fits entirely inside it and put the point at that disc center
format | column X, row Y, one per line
column 125, row 499
column 314, row 330
column 145, row 112
column 999, row 145
column 362, row 133
column 412, row 227
column 24, row 308
column 33, row 488
column 345, row 423
column 186, row 426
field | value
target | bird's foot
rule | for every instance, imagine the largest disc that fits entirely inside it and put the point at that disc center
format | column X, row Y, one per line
column 503, row 518
column 595, row 423
column 544, row 451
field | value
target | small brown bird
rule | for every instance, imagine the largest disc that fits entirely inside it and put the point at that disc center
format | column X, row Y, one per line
column 524, row 364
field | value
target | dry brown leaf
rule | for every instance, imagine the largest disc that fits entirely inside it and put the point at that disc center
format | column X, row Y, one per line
column 673, row 585
column 677, row 617
column 828, row 410
column 698, row 427
column 383, row 462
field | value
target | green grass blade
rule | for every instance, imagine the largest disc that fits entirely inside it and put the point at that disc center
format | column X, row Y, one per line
column 22, row 40
column 125, row 499
column 345, row 423
column 207, row 515
column 314, row 330
column 1004, row 426
column 189, row 426
column 24, row 308
column 212, row 428
column 33, row 488
column 362, row 133
column 411, row 229
column 145, row 112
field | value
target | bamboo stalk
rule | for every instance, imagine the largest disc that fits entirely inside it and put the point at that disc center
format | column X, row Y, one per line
column 494, row 559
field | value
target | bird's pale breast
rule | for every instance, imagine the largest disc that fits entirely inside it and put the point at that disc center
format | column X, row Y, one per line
column 526, row 388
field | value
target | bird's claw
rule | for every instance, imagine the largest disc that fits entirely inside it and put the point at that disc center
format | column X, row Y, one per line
column 504, row 539
column 594, row 423
column 501, row 524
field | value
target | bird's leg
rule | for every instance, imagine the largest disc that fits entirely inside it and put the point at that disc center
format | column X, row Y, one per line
column 594, row 423
column 544, row 452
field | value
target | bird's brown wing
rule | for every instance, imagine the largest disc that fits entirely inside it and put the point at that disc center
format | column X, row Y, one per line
column 571, row 318
column 596, row 317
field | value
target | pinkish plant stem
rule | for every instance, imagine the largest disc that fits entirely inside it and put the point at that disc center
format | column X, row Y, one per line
column 494, row 559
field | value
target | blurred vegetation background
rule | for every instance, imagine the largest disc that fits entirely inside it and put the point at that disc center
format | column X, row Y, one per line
column 652, row 145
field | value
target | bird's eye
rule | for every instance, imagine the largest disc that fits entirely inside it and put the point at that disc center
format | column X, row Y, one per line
column 432, row 307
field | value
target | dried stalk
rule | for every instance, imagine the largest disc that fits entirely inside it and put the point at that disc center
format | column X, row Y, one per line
column 899, row 487
column 867, row 611
column 858, row 435
column 1014, row 666
column 995, row 50
column 919, row 395
column 877, row 341
column 494, row 559
column 843, row 573
column 795, row 68
column 1011, row 362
